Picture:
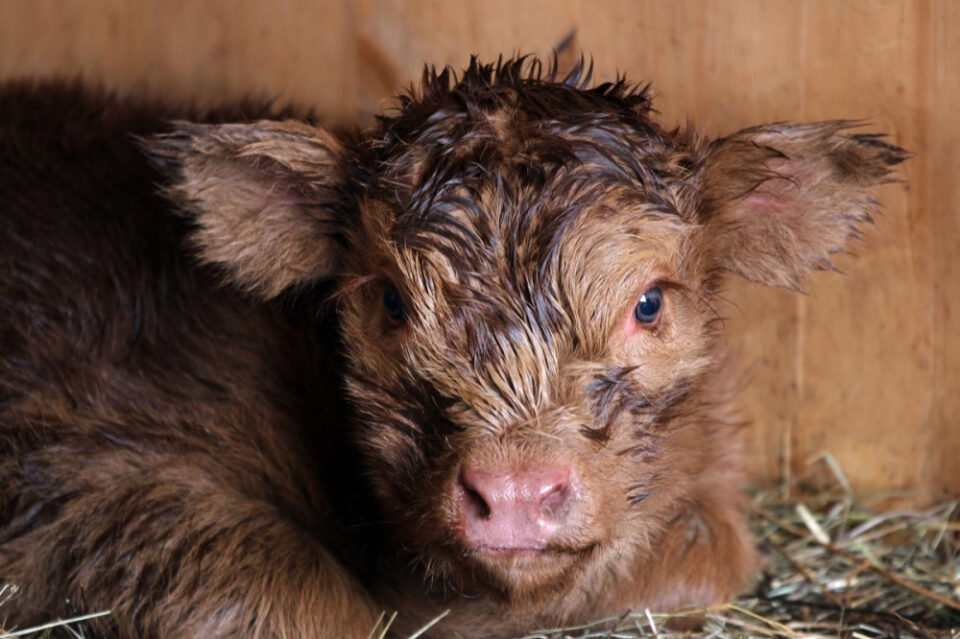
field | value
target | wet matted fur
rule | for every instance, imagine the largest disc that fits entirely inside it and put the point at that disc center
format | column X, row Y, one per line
column 251, row 405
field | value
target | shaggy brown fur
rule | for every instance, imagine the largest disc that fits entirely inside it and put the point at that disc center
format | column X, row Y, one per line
column 212, row 460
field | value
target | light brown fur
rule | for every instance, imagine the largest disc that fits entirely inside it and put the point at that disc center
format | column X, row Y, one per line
column 257, row 464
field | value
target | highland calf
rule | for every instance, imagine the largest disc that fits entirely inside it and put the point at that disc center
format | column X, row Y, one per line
column 272, row 381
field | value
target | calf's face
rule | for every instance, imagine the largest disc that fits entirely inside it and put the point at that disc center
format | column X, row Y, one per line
column 525, row 272
column 515, row 335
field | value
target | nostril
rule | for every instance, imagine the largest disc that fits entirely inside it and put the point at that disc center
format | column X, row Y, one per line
column 556, row 502
column 477, row 491
column 474, row 501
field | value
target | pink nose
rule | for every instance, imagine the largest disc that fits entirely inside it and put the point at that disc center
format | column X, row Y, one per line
column 513, row 509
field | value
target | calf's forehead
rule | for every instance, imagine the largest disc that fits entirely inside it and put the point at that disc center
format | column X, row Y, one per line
column 473, row 192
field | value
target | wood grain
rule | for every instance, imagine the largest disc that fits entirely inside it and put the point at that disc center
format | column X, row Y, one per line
column 867, row 366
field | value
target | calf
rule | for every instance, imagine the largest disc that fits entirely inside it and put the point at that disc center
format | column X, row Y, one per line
column 465, row 361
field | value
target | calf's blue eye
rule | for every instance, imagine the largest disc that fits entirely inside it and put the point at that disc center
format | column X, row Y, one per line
column 648, row 308
column 393, row 304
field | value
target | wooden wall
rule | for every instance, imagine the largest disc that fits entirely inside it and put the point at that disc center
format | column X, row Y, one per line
column 866, row 367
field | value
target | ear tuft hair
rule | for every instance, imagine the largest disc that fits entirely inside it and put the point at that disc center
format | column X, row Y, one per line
column 779, row 199
column 265, row 197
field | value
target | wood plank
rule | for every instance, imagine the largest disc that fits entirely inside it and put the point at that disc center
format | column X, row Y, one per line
column 938, row 190
column 865, row 391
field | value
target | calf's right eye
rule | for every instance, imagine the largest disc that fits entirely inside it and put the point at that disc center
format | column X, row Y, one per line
column 393, row 305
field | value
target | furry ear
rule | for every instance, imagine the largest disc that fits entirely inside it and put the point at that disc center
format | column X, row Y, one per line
column 777, row 200
column 264, row 196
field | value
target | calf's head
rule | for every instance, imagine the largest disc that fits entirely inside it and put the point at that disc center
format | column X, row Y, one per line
column 525, row 269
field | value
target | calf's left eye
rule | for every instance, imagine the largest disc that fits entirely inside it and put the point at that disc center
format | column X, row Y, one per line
column 648, row 308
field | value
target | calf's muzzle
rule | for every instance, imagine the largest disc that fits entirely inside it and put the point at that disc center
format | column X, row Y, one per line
column 504, row 510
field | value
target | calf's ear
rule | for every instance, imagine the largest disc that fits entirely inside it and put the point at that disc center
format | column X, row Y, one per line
column 265, row 196
column 779, row 199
